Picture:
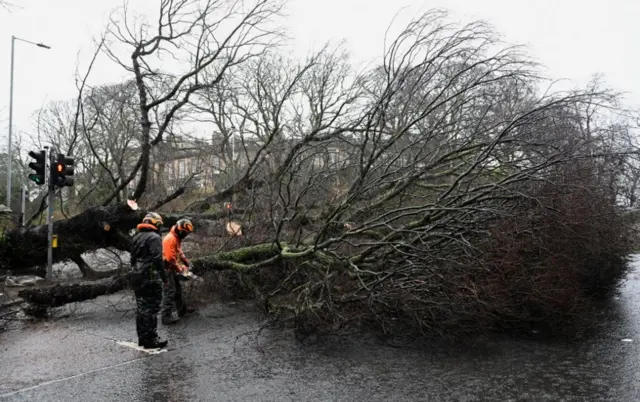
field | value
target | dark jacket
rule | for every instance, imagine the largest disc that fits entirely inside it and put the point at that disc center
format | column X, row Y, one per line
column 146, row 254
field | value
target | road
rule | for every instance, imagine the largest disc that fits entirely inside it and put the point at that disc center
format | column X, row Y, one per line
column 218, row 355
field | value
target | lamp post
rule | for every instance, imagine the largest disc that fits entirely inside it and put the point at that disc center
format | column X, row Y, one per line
column 9, row 159
column 233, row 163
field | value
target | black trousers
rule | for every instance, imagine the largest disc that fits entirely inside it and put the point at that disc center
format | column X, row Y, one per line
column 148, row 299
column 173, row 299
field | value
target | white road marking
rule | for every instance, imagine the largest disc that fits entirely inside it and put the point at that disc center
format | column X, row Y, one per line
column 123, row 343
column 135, row 346
column 70, row 377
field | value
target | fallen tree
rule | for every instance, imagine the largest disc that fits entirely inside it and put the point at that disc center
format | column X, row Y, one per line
column 441, row 192
column 60, row 294
column 24, row 250
column 546, row 270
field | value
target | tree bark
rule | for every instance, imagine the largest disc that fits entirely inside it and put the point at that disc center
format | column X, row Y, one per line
column 61, row 294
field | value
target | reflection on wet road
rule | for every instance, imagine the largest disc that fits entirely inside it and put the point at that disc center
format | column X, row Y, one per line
column 219, row 356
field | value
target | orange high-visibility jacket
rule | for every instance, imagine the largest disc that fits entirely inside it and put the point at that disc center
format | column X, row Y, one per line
column 172, row 252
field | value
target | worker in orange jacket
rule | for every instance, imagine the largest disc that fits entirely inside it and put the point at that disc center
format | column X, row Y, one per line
column 177, row 267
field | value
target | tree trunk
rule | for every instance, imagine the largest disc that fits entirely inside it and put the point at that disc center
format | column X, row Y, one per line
column 60, row 294
column 96, row 227
column 25, row 250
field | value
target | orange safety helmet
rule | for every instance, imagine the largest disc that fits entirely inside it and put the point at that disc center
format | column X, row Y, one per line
column 184, row 227
column 154, row 219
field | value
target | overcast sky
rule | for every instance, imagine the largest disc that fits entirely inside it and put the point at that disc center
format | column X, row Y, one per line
column 573, row 38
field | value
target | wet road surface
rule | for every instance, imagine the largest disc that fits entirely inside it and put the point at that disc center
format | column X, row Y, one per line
column 218, row 356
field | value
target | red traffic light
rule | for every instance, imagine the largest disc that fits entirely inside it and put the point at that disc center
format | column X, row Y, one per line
column 62, row 171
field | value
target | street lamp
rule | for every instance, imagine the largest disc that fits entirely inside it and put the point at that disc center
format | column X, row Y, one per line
column 9, row 159
column 233, row 162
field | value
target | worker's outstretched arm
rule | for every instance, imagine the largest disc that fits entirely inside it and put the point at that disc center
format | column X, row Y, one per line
column 184, row 258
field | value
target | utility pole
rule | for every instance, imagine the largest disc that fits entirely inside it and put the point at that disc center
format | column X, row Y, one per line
column 233, row 164
column 23, row 200
column 9, row 150
column 9, row 158
column 50, row 187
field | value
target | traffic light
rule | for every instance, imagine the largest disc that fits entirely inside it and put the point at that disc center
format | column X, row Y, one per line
column 38, row 166
column 62, row 170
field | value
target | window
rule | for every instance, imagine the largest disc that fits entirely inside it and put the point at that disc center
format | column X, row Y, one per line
column 333, row 157
column 182, row 169
column 215, row 162
column 318, row 161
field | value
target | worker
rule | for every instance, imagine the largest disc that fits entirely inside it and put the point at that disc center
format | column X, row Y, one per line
column 146, row 278
column 177, row 270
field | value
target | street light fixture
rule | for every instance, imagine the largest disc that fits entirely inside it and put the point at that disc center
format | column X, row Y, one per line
column 9, row 159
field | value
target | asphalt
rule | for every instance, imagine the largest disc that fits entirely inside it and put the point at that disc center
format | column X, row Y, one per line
column 220, row 354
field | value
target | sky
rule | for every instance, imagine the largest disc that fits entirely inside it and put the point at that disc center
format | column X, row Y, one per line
column 573, row 39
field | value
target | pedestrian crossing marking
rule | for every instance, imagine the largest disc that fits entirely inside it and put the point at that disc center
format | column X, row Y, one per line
column 135, row 346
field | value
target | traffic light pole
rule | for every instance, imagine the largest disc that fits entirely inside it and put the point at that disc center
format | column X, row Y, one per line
column 50, row 237
column 52, row 172
column 48, row 182
column 23, row 200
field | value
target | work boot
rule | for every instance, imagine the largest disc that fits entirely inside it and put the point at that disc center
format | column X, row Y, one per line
column 155, row 343
column 170, row 319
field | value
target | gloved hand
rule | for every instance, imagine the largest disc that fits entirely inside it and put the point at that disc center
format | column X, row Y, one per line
column 185, row 275
column 182, row 268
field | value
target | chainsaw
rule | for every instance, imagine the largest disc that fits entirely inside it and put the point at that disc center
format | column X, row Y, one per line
column 185, row 274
